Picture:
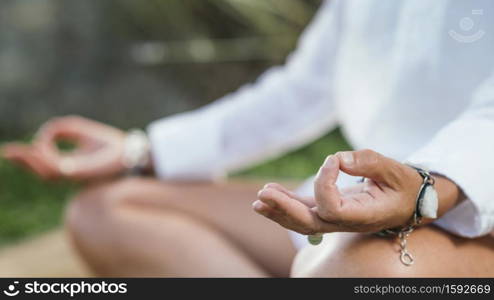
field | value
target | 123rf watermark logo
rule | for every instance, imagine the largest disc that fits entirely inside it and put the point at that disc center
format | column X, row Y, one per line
column 64, row 288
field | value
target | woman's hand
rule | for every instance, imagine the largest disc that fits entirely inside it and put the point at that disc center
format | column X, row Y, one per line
column 98, row 152
column 385, row 200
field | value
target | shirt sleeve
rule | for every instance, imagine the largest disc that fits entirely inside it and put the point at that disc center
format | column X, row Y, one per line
column 285, row 108
column 463, row 151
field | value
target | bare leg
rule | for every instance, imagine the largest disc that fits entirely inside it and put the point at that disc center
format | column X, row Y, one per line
column 437, row 254
column 141, row 227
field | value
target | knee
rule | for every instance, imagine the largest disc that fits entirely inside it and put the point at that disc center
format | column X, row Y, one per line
column 90, row 211
column 352, row 255
column 92, row 220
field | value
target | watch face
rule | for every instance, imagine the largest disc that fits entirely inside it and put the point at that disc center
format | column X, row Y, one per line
column 428, row 208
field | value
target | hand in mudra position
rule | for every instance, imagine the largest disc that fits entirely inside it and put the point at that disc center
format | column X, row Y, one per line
column 98, row 152
column 385, row 200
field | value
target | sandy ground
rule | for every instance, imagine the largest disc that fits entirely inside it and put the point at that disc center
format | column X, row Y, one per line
column 48, row 255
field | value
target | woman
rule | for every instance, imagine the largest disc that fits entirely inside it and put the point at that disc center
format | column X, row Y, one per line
column 401, row 79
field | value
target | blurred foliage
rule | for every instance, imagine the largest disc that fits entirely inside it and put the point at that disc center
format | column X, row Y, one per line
column 185, row 31
column 29, row 206
column 70, row 57
column 83, row 57
column 191, row 19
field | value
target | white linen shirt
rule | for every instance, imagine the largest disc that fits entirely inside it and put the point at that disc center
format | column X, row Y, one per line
column 411, row 79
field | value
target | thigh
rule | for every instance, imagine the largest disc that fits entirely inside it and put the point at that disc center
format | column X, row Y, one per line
column 436, row 252
column 224, row 207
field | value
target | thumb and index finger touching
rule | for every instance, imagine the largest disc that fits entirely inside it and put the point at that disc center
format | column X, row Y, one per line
column 363, row 163
column 42, row 156
column 384, row 171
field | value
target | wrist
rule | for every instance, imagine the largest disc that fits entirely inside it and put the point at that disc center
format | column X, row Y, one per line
column 136, row 152
column 449, row 195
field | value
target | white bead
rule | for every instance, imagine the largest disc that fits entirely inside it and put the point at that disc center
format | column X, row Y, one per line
column 428, row 208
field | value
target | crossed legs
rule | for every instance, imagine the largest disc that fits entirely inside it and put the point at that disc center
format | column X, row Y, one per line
column 143, row 227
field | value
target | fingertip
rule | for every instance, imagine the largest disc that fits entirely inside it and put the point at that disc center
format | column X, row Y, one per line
column 329, row 169
column 13, row 150
column 282, row 189
column 329, row 162
column 258, row 205
column 263, row 193
column 346, row 158
column 260, row 192
column 273, row 185
column 267, row 194
column 273, row 198
column 262, row 208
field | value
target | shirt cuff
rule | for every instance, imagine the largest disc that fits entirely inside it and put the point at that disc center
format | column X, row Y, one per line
column 464, row 219
column 186, row 147
column 474, row 216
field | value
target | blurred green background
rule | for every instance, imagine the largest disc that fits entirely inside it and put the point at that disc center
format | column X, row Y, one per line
column 87, row 57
